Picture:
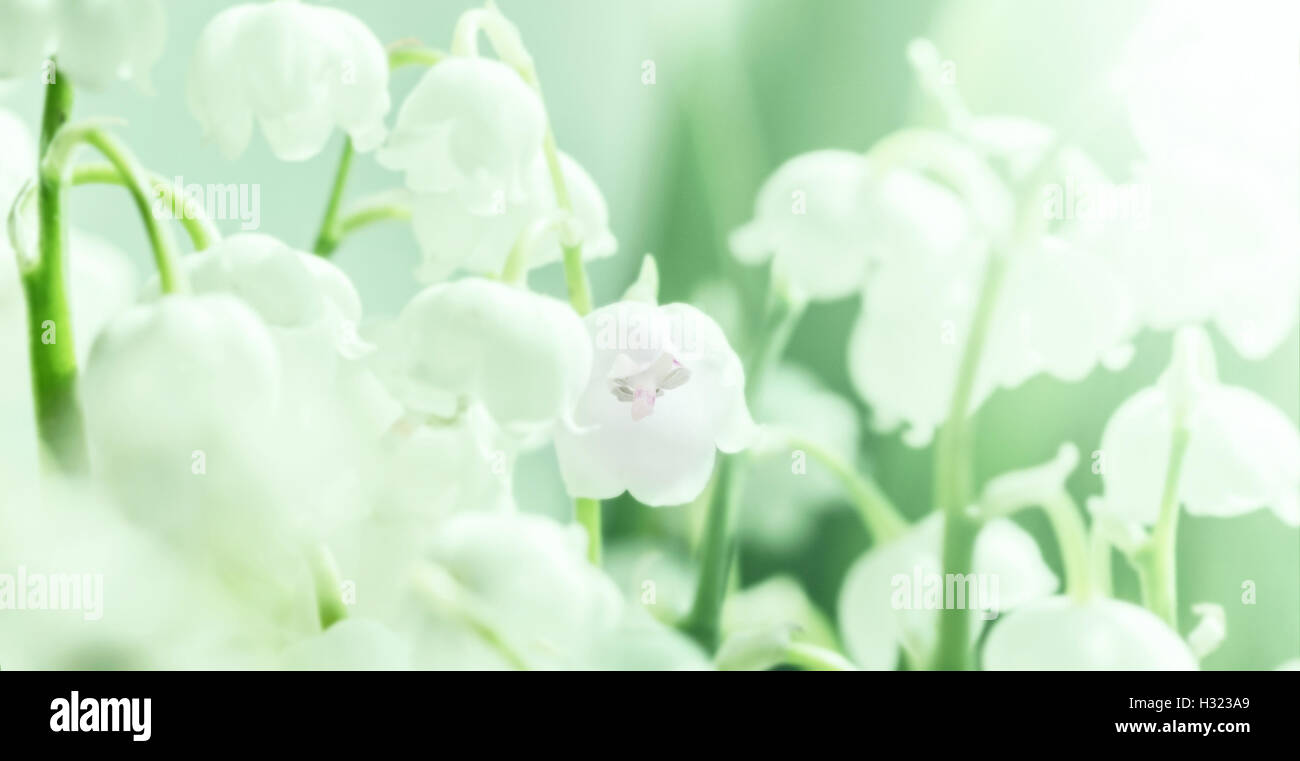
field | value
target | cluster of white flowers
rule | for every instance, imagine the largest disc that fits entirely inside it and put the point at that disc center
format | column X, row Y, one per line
column 277, row 479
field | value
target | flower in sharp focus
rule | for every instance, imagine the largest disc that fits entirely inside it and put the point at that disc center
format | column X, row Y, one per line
column 297, row 70
column 452, row 236
column 1242, row 452
column 1063, row 633
column 95, row 42
column 887, row 599
column 524, row 356
column 471, row 127
column 666, row 391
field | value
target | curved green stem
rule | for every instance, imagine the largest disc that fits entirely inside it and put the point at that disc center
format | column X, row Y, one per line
column 587, row 512
column 1072, row 538
column 1099, row 546
column 55, row 168
column 380, row 207
column 875, row 508
column 1157, row 569
column 813, row 658
column 327, row 239
column 52, row 353
column 202, row 232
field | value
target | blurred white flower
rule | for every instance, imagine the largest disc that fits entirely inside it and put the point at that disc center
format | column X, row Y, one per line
column 508, row 589
column 1063, row 307
column 95, row 42
column 452, row 236
column 1242, row 453
column 181, row 401
column 1062, row 633
column 524, row 356
column 809, row 219
column 1210, row 99
column 307, row 303
column 471, row 127
column 878, row 608
column 298, row 70
column 353, row 643
column 665, row 392
column 130, row 601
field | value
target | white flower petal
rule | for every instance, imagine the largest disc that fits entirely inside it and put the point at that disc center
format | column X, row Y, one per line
column 299, row 70
column 1060, row 633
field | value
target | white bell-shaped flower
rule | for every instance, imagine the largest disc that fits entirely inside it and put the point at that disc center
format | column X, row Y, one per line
column 1063, row 306
column 94, row 43
column 182, row 403
column 500, row 589
column 892, row 595
column 1102, row 634
column 471, row 127
column 453, row 237
column 1209, row 99
column 1242, row 454
column 809, row 220
column 524, row 356
column 665, row 392
column 309, row 305
column 297, row 70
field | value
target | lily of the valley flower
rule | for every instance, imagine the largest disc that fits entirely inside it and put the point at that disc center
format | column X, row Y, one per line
column 665, row 392
column 471, row 127
column 1242, row 452
column 1102, row 633
column 1062, row 309
column 451, row 236
column 297, row 70
column 892, row 595
column 95, row 43
column 524, row 356
column 809, row 220
column 1209, row 98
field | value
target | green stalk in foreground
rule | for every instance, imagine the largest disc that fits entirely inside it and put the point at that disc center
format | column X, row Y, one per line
column 953, row 476
column 587, row 513
column 49, row 320
column 1156, row 566
column 718, row 548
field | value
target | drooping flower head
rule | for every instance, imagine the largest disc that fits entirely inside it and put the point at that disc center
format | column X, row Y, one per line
column 296, row 70
column 666, row 391
column 95, row 42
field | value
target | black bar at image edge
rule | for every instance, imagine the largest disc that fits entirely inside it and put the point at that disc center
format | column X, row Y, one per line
column 245, row 709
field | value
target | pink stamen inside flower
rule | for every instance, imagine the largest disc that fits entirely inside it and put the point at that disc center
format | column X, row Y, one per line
column 642, row 386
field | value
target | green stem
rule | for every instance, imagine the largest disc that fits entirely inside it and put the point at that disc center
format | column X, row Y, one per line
column 380, row 208
column 202, row 232
column 719, row 546
column 1099, row 545
column 400, row 56
column 953, row 474
column 516, row 266
column 813, row 658
column 704, row 622
column 327, row 239
column 49, row 320
column 878, row 513
column 1072, row 539
column 329, row 588
column 1156, row 563
column 55, row 169
column 588, row 514
column 575, row 273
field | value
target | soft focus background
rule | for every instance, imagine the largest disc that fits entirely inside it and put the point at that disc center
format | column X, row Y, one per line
column 740, row 87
